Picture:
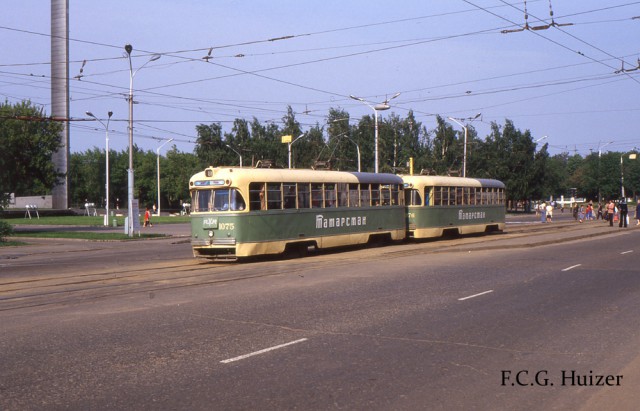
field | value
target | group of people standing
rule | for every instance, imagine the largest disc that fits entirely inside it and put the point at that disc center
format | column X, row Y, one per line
column 621, row 210
column 610, row 212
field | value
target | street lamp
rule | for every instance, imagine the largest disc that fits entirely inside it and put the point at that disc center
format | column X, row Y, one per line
column 632, row 156
column 106, row 130
column 129, row 48
column 158, row 157
column 378, row 107
column 290, row 143
column 464, row 150
column 357, row 149
column 234, row 150
column 599, row 156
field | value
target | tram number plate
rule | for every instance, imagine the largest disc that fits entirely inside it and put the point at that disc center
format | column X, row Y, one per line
column 210, row 223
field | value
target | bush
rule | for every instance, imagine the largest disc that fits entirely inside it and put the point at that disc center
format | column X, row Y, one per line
column 6, row 230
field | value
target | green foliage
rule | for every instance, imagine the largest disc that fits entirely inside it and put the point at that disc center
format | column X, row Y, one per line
column 28, row 139
column 6, row 230
column 506, row 154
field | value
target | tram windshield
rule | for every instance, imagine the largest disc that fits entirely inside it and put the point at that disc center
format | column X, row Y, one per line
column 221, row 199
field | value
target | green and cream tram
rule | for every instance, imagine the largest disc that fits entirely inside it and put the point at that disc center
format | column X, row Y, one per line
column 439, row 204
column 242, row 212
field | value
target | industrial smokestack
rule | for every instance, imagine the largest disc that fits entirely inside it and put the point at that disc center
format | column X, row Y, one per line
column 60, row 94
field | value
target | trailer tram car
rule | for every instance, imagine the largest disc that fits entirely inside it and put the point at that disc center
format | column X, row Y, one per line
column 437, row 205
column 243, row 212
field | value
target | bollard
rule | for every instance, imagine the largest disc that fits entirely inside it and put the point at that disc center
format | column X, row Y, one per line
column 115, row 222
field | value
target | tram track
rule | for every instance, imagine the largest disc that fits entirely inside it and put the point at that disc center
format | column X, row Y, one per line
column 67, row 289
column 144, row 277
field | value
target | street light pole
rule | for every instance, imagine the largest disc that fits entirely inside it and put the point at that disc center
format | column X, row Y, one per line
column 129, row 48
column 235, row 151
column 357, row 150
column 599, row 156
column 464, row 149
column 158, row 157
column 289, row 147
column 632, row 156
column 106, row 184
column 378, row 107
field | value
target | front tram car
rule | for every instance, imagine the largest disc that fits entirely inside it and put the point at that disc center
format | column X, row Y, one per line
column 242, row 212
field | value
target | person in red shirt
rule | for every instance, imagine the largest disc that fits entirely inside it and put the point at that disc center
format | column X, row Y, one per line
column 147, row 218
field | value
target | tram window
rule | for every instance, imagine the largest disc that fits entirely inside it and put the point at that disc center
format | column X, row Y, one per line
column 316, row 195
column 452, row 196
column 354, row 200
column 365, row 195
column 428, row 194
column 459, row 195
column 289, row 190
column 437, row 196
column 472, row 196
column 303, row 195
column 385, row 195
column 274, row 196
column 329, row 195
column 343, row 196
column 445, row 196
column 257, row 197
column 396, row 199
column 201, row 199
column 375, row 194
column 237, row 201
column 413, row 197
column 221, row 200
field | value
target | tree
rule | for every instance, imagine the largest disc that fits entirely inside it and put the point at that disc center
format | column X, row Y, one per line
column 177, row 169
column 28, row 139
column 210, row 148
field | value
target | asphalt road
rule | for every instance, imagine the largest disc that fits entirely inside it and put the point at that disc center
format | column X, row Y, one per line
column 498, row 322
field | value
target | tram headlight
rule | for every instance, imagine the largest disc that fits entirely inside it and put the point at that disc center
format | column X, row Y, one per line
column 210, row 233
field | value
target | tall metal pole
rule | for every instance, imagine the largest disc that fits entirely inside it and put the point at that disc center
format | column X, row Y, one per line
column 158, row 157
column 235, row 151
column 289, row 147
column 106, row 128
column 632, row 156
column 599, row 156
column 128, row 48
column 378, row 107
column 464, row 150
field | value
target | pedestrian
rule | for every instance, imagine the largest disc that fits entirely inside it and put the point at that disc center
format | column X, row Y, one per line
column 574, row 211
column 549, row 212
column 637, row 214
column 611, row 209
column 624, row 211
column 581, row 215
column 147, row 218
column 543, row 212
column 589, row 215
column 600, row 212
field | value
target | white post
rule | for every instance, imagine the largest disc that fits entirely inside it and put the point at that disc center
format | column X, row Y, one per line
column 158, row 157
column 106, row 128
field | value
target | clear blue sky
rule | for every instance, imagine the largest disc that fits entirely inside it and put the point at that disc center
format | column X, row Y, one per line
column 446, row 57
